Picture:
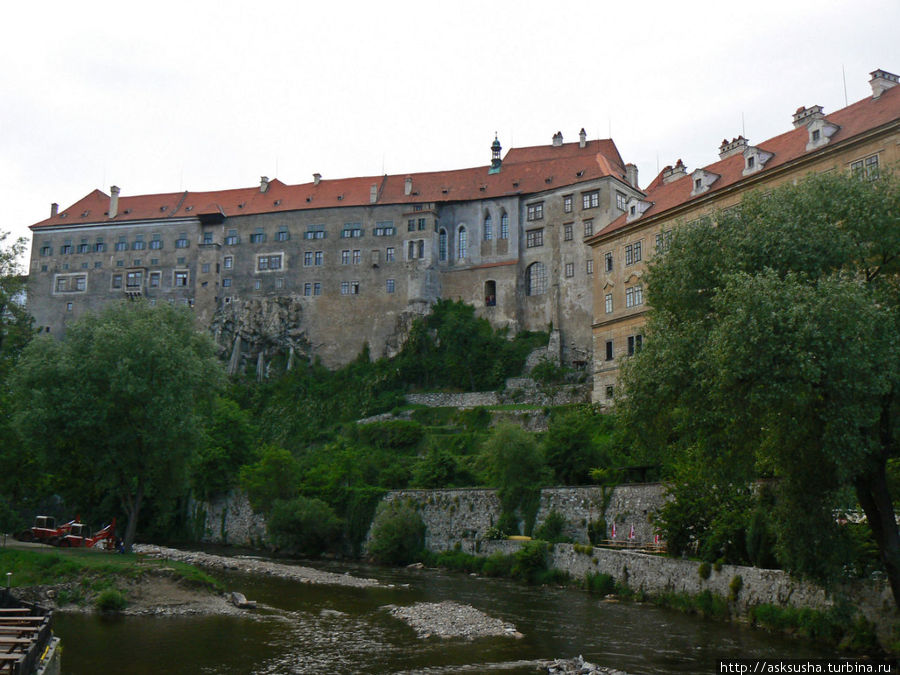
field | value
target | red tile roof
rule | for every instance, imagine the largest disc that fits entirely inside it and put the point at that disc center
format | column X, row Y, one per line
column 855, row 119
column 524, row 171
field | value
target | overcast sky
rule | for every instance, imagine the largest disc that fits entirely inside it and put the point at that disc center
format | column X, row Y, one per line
column 167, row 96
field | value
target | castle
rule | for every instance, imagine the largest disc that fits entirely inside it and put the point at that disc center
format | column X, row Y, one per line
column 546, row 236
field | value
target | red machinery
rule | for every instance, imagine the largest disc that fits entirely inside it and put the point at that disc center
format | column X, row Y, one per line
column 45, row 530
column 80, row 536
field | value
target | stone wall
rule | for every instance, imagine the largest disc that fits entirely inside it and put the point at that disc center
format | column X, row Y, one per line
column 463, row 516
column 471, row 399
column 228, row 520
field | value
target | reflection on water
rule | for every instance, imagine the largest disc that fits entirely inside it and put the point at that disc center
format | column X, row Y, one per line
column 327, row 629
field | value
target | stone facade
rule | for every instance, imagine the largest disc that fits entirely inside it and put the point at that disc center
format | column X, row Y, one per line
column 228, row 520
column 324, row 268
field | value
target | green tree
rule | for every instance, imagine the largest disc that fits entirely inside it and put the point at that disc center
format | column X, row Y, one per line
column 275, row 476
column 771, row 350
column 572, row 444
column 115, row 408
column 303, row 525
column 227, row 446
column 398, row 534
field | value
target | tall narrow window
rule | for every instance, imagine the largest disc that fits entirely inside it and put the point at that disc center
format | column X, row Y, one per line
column 488, row 227
column 442, row 245
column 490, row 293
column 536, row 279
column 504, row 225
column 462, row 244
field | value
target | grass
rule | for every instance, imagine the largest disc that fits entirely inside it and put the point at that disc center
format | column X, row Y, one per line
column 94, row 570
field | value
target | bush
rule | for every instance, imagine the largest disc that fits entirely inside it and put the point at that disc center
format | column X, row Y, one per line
column 398, row 534
column 276, row 476
column 601, row 584
column 704, row 570
column 552, row 529
column 111, row 600
column 303, row 525
column 734, row 588
column 497, row 565
column 530, row 562
column 597, row 531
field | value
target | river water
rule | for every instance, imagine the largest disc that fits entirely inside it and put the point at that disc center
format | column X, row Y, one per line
column 331, row 629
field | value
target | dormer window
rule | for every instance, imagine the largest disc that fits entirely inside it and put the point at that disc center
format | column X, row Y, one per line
column 698, row 184
column 820, row 133
column 702, row 180
column 751, row 162
column 816, row 135
column 755, row 159
column 633, row 210
column 636, row 208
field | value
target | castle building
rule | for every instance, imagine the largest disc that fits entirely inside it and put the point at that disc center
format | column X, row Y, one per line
column 325, row 267
column 862, row 138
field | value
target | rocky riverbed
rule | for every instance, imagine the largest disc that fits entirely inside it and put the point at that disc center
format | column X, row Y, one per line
column 451, row 620
column 251, row 565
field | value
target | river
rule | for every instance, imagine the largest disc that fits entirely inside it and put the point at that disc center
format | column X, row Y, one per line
column 332, row 629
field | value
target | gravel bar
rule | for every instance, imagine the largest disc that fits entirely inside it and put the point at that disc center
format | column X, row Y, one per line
column 451, row 620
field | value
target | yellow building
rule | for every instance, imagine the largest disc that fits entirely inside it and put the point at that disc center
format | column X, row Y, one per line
column 863, row 137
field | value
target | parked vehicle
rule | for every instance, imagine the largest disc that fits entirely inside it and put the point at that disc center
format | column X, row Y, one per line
column 80, row 537
column 45, row 530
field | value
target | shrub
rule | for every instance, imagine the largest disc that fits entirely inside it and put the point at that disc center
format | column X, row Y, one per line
column 111, row 600
column 303, row 525
column 530, row 561
column 601, row 584
column 275, row 476
column 398, row 534
column 552, row 528
column 734, row 588
column 597, row 531
column 704, row 570
column 497, row 565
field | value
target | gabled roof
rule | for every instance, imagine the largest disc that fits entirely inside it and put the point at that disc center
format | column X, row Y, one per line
column 524, row 171
column 857, row 118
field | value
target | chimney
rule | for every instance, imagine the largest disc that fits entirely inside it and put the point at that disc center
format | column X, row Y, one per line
column 804, row 116
column 407, row 186
column 631, row 175
column 557, row 139
column 373, row 193
column 317, row 178
column 882, row 81
column 113, row 201
column 737, row 145
column 54, row 209
column 674, row 173
column 263, row 183
column 582, row 138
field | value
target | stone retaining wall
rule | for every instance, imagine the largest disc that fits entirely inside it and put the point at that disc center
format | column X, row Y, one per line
column 464, row 516
column 471, row 399
column 228, row 520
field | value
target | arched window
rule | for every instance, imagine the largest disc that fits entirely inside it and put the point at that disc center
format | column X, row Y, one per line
column 490, row 293
column 504, row 225
column 462, row 244
column 488, row 227
column 442, row 245
column 536, row 279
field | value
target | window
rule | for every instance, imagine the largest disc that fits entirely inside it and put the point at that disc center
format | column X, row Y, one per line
column 97, row 265
column 319, row 258
column 257, row 284
column 490, row 293
column 698, row 185
column 590, row 200
column 663, row 240
column 226, row 282
column 356, row 257
column 134, row 280
column 634, row 344
column 535, row 211
column 504, row 225
column 389, row 285
column 351, row 231
column 751, row 162
column 180, row 278
column 282, row 234
column 865, row 168
column 589, row 266
column 442, row 245
column 207, row 238
column 307, row 258
column 154, row 279
column 567, row 232
column 570, row 269
column 609, row 303
column 421, row 224
column 816, row 135
column 462, row 244
column 257, row 237
column 119, row 263
column 84, row 248
column 534, row 238
column 139, row 245
column 610, row 390
column 121, row 245
column 608, row 257
column 385, row 228
column 154, row 261
column 84, row 265
column 66, row 249
column 411, row 225
column 156, row 243
column 99, row 247
column 620, row 201
column 232, row 239
column 279, row 282
column 62, row 284
column 345, row 288
column 181, row 261
column 536, row 279
column 633, row 253
column 588, row 228
column 488, row 227
column 117, row 281
column 268, row 262
column 634, row 296
column 317, row 288
column 567, row 203
column 421, row 247
column 307, row 289
column 46, row 250
column 389, row 254
column 354, row 288
column 314, row 232
column 69, row 306
column 609, row 350
column 228, row 262
column 345, row 257
column 203, row 268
